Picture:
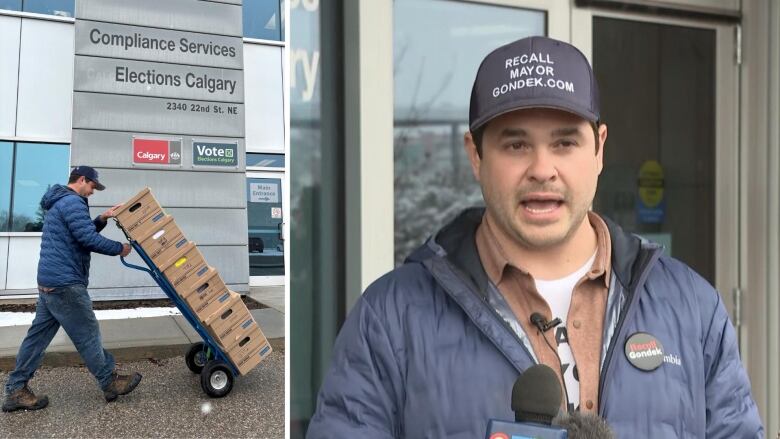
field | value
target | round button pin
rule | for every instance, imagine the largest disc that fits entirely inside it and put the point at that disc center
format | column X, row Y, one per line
column 644, row 351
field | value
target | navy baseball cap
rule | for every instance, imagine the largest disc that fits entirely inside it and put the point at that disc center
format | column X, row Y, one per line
column 89, row 173
column 534, row 72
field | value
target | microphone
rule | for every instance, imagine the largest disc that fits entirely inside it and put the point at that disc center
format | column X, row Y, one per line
column 536, row 400
column 540, row 322
column 584, row 426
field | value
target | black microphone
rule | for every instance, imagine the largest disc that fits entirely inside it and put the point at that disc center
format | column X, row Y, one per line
column 541, row 322
column 536, row 400
column 584, row 426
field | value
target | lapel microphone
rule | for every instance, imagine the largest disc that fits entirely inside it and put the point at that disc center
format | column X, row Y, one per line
column 541, row 322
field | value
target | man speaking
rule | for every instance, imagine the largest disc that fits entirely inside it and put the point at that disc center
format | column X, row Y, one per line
column 432, row 348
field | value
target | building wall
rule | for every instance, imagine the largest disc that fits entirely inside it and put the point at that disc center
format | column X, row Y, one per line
column 36, row 89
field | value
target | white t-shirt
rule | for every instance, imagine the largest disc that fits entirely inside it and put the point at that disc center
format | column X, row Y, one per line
column 557, row 293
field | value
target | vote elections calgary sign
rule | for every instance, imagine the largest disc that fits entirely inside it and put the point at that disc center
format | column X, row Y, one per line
column 157, row 151
column 214, row 154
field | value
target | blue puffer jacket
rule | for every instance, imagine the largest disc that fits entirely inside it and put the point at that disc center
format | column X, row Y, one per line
column 69, row 236
column 424, row 354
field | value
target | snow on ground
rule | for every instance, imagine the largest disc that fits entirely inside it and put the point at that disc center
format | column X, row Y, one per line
column 26, row 318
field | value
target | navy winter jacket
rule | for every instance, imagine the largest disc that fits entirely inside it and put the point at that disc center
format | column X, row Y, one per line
column 69, row 236
column 425, row 354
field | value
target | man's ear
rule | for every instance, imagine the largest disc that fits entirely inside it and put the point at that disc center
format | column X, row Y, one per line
column 471, row 152
column 602, row 143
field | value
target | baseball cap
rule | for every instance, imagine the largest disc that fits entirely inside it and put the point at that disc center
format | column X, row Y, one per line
column 89, row 173
column 534, row 72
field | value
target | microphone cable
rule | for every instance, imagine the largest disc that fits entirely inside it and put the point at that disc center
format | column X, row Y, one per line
column 541, row 325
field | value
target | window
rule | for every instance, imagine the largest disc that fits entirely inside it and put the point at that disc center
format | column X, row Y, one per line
column 60, row 8
column 258, row 160
column 6, row 166
column 12, row 5
column 263, row 19
column 435, row 64
column 28, row 170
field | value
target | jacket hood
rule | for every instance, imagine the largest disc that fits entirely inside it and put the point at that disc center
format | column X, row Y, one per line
column 456, row 242
column 54, row 194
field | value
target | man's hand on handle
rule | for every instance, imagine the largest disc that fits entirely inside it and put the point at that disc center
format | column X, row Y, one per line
column 125, row 250
column 110, row 213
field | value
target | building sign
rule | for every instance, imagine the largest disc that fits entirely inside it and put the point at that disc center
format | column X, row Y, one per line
column 173, row 67
column 214, row 154
column 157, row 151
column 111, row 40
column 106, row 75
column 100, row 111
column 264, row 193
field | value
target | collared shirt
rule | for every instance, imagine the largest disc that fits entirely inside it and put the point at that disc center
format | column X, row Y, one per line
column 585, row 319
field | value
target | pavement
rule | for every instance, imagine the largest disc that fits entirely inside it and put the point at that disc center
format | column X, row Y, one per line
column 168, row 402
column 137, row 334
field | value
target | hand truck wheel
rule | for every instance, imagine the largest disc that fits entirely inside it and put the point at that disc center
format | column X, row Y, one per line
column 216, row 379
column 196, row 357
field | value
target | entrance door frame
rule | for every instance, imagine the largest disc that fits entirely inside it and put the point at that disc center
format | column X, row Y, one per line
column 265, row 281
column 728, row 180
column 732, row 222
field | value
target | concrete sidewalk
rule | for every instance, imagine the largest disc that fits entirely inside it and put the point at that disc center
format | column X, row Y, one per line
column 138, row 336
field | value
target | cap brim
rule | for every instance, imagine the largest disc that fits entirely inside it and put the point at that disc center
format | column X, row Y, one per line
column 533, row 103
column 98, row 186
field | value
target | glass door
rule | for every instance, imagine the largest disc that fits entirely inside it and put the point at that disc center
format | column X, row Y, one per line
column 669, row 93
column 264, row 205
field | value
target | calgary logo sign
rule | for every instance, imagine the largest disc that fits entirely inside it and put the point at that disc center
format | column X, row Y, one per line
column 156, row 151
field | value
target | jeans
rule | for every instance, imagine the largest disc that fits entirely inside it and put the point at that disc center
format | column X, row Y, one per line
column 71, row 308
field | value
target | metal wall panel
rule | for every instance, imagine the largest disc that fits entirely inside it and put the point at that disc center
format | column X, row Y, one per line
column 205, row 227
column 3, row 260
column 231, row 2
column 23, row 255
column 107, row 75
column 108, row 271
column 218, row 18
column 173, row 189
column 264, row 99
column 85, row 46
column 135, row 113
column 45, row 80
column 113, row 149
column 10, row 34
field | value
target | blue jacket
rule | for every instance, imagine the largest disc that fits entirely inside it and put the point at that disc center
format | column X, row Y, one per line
column 69, row 236
column 425, row 354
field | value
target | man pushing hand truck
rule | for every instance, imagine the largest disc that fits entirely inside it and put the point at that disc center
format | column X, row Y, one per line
column 69, row 237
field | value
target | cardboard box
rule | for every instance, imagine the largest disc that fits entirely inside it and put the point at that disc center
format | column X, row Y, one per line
column 207, row 296
column 228, row 319
column 238, row 333
column 249, row 351
column 193, row 279
column 185, row 263
column 139, row 213
column 163, row 241
column 200, row 294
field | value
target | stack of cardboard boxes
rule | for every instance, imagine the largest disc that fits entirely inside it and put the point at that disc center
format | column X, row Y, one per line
column 220, row 311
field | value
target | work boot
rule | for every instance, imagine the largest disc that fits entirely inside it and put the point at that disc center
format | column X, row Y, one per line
column 24, row 399
column 121, row 385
